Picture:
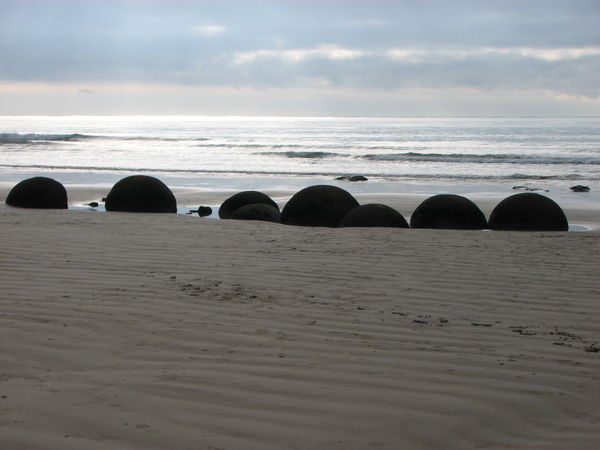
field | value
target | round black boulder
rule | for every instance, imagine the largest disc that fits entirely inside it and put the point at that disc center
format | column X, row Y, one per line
column 257, row 211
column 318, row 206
column 38, row 192
column 528, row 212
column 204, row 211
column 373, row 215
column 242, row 199
column 141, row 193
column 448, row 211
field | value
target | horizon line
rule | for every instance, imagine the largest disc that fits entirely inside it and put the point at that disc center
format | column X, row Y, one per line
column 318, row 116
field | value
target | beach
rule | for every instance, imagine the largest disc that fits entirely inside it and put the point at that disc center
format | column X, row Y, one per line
column 124, row 330
column 293, row 225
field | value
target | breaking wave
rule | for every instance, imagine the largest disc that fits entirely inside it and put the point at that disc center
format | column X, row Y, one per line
column 19, row 138
column 35, row 138
column 306, row 154
column 374, row 175
column 481, row 159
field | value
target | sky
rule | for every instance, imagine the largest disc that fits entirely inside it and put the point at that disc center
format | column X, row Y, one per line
column 301, row 57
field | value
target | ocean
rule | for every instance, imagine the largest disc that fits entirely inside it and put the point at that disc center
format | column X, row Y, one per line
column 413, row 155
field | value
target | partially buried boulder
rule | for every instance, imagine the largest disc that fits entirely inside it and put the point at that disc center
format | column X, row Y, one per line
column 318, row 206
column 204, row 211
column 448, row 211
column 141, row 193
column 257, row 211
column 528, row 212
column 373, row 215
column 244, row 198
column 38, row 192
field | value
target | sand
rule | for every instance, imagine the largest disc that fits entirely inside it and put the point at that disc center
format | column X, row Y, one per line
column 141, row 331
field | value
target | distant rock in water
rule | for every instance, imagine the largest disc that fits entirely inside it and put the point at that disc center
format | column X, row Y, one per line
column 93, row 204
column 580, row 188
column 257, row 211
column 318, row 206
column 204, row 211
column 38, row 192
column 528, row 212
column 352, row 178
column 242, row 199
column 373, row 215
column 448, row 211
column 527, row 188
column 141, row 193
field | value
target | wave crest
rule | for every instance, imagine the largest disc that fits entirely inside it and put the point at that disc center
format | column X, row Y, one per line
column 25, row 138
column 374, row 175
column 306, row 154
column 480, row 159
column 33, row 138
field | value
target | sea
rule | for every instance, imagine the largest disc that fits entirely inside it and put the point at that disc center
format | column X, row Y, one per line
column 421, row 156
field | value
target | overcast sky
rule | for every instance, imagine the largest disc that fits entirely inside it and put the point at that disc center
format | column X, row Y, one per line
column 307, row 57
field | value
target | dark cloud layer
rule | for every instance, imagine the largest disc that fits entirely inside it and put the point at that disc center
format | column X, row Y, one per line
column 351, row 44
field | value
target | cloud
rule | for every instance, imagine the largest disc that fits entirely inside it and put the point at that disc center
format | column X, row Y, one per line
column 331, row 52
column 546, row 54
column 374, row 46
column 209, row 30
column 572, row 71
column 174, row 99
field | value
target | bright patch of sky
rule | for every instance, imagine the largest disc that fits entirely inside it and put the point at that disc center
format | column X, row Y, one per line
column 209, row 30
column 311, row 57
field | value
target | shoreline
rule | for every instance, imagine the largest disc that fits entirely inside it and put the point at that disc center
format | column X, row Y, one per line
column 582, row 209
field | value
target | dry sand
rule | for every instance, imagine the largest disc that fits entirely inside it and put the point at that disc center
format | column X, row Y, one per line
column 124, row 331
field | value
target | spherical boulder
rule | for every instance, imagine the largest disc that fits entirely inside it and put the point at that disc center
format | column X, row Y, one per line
column 244, row 198
column 448, row 211
column 373, row 215
column 257, row 211
column 528, row 212
column 141, row 193
column 204, row 211
column 318, row 206
column 38, row 192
